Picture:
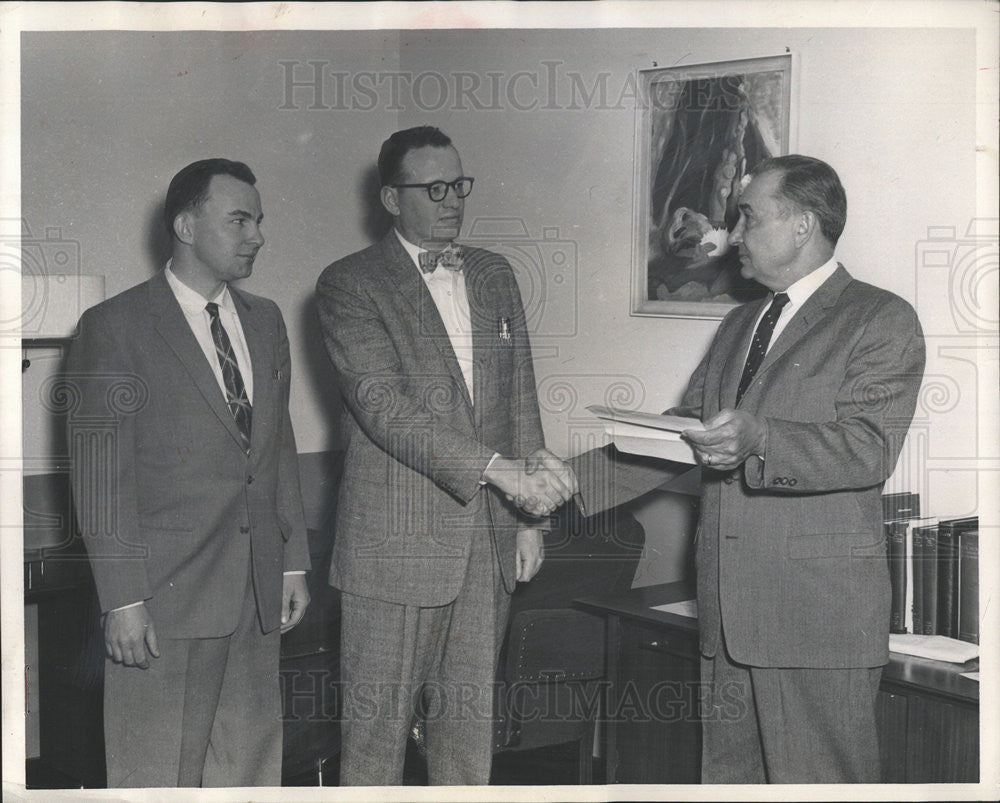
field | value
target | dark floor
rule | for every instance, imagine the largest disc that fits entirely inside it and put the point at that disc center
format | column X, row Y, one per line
column 545, row 766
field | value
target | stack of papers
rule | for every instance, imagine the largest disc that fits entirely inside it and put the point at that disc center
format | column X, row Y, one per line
column 940, row 648
column 647, row 433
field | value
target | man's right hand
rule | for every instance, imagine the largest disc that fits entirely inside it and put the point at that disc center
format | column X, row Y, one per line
column 538, row 484
column 128, row 635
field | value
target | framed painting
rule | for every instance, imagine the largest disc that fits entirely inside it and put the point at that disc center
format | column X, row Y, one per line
column 699, row 129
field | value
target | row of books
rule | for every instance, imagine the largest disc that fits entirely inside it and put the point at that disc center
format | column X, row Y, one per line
column 934, row 570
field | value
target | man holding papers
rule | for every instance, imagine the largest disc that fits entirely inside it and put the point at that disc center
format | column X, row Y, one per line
column 806, row 397
column 800, row 409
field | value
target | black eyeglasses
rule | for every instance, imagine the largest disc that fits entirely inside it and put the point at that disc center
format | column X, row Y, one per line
column 437, row 190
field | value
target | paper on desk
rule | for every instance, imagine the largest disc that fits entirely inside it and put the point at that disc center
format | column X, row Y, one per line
column 940, row 648
column 971, row 676
column 686, row 607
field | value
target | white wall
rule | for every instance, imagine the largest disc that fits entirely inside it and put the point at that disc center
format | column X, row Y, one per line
column 109, row 117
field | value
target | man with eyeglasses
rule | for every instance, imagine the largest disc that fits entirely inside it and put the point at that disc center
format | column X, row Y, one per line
column 437, row 516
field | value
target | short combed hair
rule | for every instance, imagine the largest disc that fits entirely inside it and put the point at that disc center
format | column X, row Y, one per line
column 811, row 184
column 394, row 150
column 189, row 188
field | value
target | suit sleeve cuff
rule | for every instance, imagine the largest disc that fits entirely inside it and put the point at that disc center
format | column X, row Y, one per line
column 495, row 456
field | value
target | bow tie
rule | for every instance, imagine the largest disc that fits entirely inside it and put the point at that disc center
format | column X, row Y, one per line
column 449, row 258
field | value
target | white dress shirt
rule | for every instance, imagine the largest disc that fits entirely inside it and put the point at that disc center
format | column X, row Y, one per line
column 193, row 306
column 798, row 294
column 447, row 288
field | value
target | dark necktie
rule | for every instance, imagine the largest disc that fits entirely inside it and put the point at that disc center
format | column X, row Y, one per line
column 450, row 258
column 761, row 339
column 236, row 392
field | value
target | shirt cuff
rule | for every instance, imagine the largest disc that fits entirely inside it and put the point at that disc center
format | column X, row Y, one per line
column 495, row 456
column 123, row 607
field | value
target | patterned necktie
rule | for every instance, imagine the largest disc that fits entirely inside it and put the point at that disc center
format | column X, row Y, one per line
column 236, row 392
column 761, row 339
column 450, row 258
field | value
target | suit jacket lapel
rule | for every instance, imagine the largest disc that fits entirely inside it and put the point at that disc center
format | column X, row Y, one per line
column 405, row 278
column 812, row 312
column 175, row 330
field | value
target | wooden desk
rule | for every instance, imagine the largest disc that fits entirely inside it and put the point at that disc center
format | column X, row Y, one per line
column 928, row 715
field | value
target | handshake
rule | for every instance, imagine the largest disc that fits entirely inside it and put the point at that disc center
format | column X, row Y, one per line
column 538, row 484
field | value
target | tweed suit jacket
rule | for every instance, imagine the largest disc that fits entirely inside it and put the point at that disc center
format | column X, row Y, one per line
column 791, row 554
column 170, row 506
column 411, row 500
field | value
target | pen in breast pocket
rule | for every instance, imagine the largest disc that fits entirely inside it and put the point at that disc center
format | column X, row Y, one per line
column 503, row 329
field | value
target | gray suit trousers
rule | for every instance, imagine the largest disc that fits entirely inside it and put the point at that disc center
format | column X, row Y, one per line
column 401, row 662
column 207, row 712
column 777, row 725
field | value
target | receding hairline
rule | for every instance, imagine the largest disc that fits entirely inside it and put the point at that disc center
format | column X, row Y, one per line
column 785, row 204
column 405, row 168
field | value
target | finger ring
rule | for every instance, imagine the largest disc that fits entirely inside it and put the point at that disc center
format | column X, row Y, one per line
column 708, row 460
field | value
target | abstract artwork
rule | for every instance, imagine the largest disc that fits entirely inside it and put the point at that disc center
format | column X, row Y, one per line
column 699, row 130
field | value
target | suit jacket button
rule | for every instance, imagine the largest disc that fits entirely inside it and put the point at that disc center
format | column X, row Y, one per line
column 244, row 529
column 249, row 479
column 729, row 480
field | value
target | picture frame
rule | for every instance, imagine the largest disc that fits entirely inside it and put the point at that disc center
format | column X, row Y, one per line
column 699, row 130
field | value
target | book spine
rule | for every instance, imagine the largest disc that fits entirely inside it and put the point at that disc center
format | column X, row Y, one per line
column 929, row 564
column 916, row 567
column 968, row 586
column 896, row 550
column 947, row 579
column 902, row 505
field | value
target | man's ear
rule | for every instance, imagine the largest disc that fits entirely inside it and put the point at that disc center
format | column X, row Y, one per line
column 390, row 200
column 183, row 228
column 806, row 228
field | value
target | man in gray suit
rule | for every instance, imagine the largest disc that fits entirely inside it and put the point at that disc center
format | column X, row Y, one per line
column 806, row 397
column 430, row 348
column 186, row 486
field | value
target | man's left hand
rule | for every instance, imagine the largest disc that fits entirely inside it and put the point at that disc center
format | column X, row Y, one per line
column 294, row 600
column 530, row 554
column 728, row 439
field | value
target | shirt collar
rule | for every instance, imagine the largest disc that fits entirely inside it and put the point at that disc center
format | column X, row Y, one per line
column 799, row 292
column 193, row 301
